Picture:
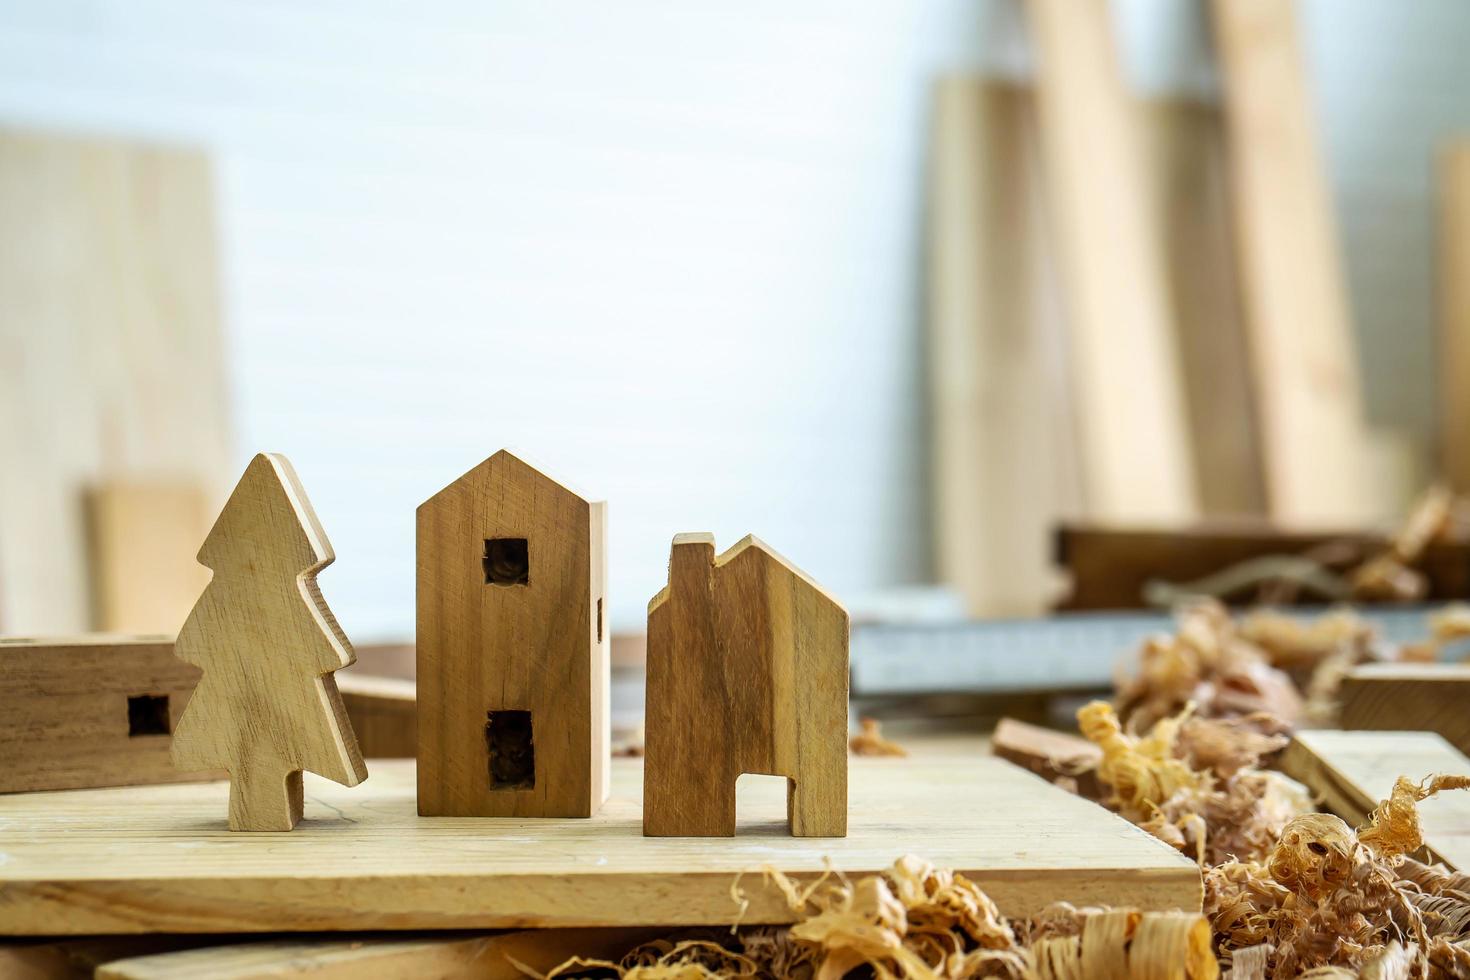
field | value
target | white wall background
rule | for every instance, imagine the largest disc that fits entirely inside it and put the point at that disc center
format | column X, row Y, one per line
column 672, row 250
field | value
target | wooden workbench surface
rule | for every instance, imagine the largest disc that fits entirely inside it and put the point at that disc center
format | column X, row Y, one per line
column 158, row 858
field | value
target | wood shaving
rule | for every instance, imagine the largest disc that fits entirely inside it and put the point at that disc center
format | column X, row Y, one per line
column 1195, row 783
column 1209, row 662
column 1390, row 575
column 870, row 741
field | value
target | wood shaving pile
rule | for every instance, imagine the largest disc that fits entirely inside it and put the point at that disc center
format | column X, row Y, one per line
column 1267, row 664
column 1196, row 783
column 919, row 922
column 1208, row 663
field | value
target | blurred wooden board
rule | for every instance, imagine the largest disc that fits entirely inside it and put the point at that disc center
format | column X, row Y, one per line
column 1353, row 771
column 113, row 361
column 453, row 956
column 1109, row 564
column 1132, row 433
column 159, row 858
column 144, row 536
column 1307, row 389
column 1409, row 697
column 1005, row 440
column 384, row 713
column 1452, row 289
column 90, row 711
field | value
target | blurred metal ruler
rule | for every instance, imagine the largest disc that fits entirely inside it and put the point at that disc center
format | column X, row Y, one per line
column 1064, row 652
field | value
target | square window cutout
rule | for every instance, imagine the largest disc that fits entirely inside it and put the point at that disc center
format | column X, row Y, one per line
column 507, row 561
column 512, row 749
column 148, row 715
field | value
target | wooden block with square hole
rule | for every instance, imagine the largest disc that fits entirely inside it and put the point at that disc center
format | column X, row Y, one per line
column 90, row 711
column 512, row 650
column 747, row 673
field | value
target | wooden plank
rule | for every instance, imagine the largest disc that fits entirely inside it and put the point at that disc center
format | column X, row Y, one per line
column 1186, row 175
column 512, row 646
column 1409, row 697
column 160, row 859
column 1130, row 408
column 1353, row 772
column 1109, row 565
column 747, row 673
column 384, row 714
column 78, row 959
column 90, row 711
column 1301, row 342
column 1050, row 754
column 267, row 706
column 477, row 956
column 1452, row 285
column 1003, row 438
column 113, row 363
column 143, row 536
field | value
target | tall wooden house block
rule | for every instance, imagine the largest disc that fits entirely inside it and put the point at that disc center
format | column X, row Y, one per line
column 512, row 647
column 747, row 673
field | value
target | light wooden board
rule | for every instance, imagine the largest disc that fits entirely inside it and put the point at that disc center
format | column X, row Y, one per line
column 160, row 859
column 384, row 713
column 1452, row 288
column 1003, row 429
column 477, row 956
column 1353, row 772
column 1004, row 434
column 512, row 646
column 143, row 538
column 267, row 705
column 1403, row 697
column 1302, row 347
column 65, row 717
column 113, row 364
column 747, row 673
column 1130, row 409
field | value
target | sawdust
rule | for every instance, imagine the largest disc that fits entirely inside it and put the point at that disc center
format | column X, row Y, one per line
column 870, row 741
column 1210, row 663
column 1196, row 783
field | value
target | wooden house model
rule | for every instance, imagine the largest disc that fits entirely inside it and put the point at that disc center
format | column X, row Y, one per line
column 512, row 647
column 747, row 673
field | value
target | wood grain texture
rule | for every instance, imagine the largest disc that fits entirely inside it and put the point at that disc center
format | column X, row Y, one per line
column 266, row 707
column 747, row 673
column 1352, row 772
column 111, row 354
column 479, row 956
column 142, row 537
column 159, row 858
column 384, row 714
column 1409, row 697
column 537, row 643
column 1130, row 409
column 1452, row 288
column 67, row 719
column 1302, row 347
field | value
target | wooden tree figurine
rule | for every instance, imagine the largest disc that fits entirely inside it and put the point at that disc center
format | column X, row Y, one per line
column 267, row 706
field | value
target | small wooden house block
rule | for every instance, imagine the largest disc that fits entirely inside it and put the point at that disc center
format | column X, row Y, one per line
column 747, row 673
column 88, row 711
column 512, row 647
